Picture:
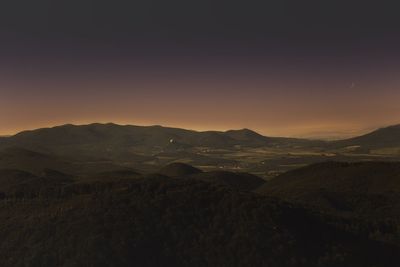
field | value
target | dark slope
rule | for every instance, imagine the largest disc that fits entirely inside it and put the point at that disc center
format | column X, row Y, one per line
column 365, row 188
column 15, row 183
column 251, row 138
column 365, row 195
column 381, row 138
column 195, row 158
column 248, row 136
column 368, row 177
column 38, row 162
column 111, row 140
column 236, row 180
column 112, row 175
column 31, row 161
column 178, row 169
column 118, row 173
column 160, row 221
column 12, row 178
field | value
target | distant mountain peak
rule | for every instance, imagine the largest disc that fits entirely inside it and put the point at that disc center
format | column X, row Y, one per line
column 243, row 130
column 244, row 133
column 391, row 127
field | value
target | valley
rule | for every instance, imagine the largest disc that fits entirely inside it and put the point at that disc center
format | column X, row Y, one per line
column 88, row 148
column 111, row 195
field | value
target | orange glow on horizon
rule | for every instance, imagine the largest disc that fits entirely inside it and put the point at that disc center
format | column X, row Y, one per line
column 309, row 108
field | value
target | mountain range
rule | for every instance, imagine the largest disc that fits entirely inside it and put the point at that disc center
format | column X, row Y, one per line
column 113, row 139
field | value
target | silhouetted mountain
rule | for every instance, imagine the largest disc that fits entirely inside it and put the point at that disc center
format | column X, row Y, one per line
column 178, row 169
column 161, row 221
column 110, row 140
column 388, row 137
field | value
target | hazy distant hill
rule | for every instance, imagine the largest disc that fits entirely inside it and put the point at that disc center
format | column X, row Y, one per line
column 388, row 137
column 251, row 138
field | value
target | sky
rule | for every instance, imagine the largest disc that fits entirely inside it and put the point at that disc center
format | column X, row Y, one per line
column 315, row 69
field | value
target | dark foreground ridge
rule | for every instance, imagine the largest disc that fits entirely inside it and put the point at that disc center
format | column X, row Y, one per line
column 365, row 194
column 156, row 220
column 366, row 188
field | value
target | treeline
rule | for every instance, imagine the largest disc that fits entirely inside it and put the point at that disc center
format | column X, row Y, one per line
column 161, row 221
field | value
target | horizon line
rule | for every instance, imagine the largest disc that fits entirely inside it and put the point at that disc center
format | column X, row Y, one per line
column 320, row 138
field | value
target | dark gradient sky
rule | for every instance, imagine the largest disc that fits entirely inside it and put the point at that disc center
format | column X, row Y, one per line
column 293, row 68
